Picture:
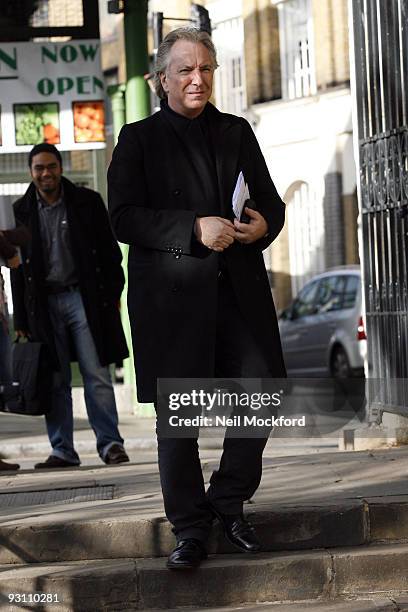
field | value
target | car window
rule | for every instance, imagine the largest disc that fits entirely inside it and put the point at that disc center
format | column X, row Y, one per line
column 330, row 294
column 350, row 294
column 304, row 303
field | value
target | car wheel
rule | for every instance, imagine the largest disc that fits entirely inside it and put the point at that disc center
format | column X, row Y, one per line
column 340, row 367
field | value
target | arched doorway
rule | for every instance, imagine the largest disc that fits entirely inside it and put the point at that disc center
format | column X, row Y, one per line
column 306, row 234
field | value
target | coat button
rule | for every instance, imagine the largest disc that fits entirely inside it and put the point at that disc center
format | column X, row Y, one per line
column 29, row 279
column 27, row 260
column 177, row 192
column 177, row 256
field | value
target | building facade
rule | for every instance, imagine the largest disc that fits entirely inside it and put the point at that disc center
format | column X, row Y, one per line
column 284, row 65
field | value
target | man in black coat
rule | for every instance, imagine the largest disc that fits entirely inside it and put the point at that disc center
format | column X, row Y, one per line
column 66, row 294
column 199, row 300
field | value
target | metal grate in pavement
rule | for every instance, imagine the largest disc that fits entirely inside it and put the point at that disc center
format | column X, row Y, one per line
column 56, row 496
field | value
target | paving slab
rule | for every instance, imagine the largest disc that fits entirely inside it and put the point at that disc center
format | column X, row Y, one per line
column 388, row 518
column 341, row 605
column 374, row 569
column 302, row 503
column 100, row 586
column 305, row 500
column 401, row 603
column 223, row 580
column 146, row 583
column 235, row 579
column 56, row 538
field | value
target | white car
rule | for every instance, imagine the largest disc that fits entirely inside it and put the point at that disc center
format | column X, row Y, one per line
column 322, row 331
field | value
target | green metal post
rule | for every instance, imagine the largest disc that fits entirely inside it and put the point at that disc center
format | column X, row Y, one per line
column 117, row 96
column 137, row 91
column 137, row 105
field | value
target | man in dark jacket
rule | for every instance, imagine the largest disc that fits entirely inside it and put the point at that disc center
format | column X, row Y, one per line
column 66, row 294
column 199, row 300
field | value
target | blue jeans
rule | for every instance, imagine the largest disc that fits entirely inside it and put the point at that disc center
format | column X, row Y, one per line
column 69, row 321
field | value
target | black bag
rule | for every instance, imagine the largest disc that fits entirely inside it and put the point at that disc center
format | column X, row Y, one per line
column 32, row 370
column 11, row 399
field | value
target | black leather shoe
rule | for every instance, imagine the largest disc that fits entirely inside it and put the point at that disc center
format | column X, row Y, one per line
column 116, row 454
column 238, row 531
column 4, row 466
column 188, row 554
column 54, row 462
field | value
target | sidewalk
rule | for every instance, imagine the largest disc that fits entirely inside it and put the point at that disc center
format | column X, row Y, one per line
column 82, row 531
column 22, row 438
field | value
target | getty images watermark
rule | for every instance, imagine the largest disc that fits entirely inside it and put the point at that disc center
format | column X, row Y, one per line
column 221, row 398
column 245, row 409
column 253, row 407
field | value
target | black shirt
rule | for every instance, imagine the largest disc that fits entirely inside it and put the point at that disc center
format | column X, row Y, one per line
column 195, row 137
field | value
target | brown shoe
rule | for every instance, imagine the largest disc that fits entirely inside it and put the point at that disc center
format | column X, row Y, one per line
column 116, row 454
column 54, row 462
column 8, row 466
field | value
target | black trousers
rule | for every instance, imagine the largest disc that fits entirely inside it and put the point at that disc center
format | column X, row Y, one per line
column 240, row 470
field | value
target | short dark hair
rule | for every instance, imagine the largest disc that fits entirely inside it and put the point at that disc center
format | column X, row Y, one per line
column 44, row 147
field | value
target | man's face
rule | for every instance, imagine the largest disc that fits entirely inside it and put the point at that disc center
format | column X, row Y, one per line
column 46, row 172
column 188, row 78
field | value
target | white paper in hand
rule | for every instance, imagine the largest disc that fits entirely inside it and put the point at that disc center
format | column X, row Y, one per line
column 240, row 195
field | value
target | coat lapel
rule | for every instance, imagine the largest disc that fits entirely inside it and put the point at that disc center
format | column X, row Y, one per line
column 28, row 215
column 73, row 223
column 227, row 141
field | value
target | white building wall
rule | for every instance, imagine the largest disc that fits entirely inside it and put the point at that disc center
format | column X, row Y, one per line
column 304, row 140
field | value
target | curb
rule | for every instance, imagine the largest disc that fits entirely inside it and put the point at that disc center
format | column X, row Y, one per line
column 146, row 584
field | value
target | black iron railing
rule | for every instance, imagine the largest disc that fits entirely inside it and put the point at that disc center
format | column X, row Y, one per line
column 380, row 30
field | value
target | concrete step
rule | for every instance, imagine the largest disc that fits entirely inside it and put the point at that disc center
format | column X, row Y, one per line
column 223, row 580
column 340, row 605
column 110, row 529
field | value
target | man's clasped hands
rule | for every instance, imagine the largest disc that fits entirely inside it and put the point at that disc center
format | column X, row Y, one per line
column 217, row 233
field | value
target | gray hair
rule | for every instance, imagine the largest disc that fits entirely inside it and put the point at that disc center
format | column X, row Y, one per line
column 163, row 52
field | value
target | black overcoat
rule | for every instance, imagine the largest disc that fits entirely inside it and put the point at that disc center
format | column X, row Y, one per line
column 97, row 258
column 155, row 194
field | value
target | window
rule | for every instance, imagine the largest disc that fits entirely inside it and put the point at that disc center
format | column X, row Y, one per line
column 296, row 46
column 305, row 302
column 350, row 294
column 330, row 294
column 306, row 240
column 229, row 78
column 54, row 13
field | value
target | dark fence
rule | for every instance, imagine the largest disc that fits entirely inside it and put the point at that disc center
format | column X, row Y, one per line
column 381, row 65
